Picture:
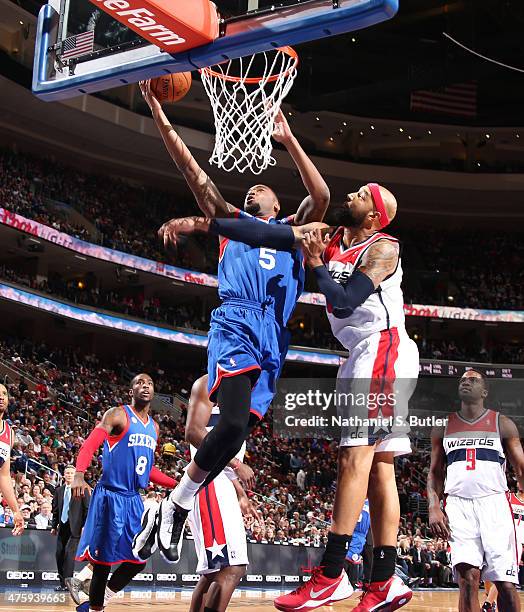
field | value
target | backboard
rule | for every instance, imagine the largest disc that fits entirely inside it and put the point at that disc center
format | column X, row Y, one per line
column 121, row 56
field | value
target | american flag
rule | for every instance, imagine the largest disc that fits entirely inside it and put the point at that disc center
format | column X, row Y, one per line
column 78, row 45
column 459, row 99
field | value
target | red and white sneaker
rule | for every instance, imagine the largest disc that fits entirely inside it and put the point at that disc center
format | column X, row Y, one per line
column 318, row 591
column 386, row 596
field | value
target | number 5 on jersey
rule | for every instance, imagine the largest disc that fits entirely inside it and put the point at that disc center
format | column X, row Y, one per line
column 267, row 258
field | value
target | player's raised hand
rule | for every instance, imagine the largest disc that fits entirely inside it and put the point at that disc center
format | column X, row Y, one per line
column 79, row 486
column 282, row 132
column 19, row 524
column 149, row 96
column 438, row 523
column 314, row 244
column 170, row 231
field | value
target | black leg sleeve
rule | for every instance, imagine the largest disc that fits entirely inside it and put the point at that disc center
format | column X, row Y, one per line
column 124, row 574
column 221, row 464
column 223, row 442
column 97, row 589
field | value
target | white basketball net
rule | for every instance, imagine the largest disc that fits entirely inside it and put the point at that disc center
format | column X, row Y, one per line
column 245, row 106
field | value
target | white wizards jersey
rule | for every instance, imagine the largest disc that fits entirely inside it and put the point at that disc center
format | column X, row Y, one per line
column 476, row 464
column 213, row 420
column 383, row 309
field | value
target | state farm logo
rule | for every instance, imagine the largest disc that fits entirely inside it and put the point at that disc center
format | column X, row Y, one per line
column 166, row 577
column 20, row 575
column 141, row 20
column 254, row 578
column 50, row 576
column 144, row 577
column 292, row 578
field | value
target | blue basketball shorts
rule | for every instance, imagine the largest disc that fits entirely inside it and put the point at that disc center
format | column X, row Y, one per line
column 245, row 337
column 112, row 522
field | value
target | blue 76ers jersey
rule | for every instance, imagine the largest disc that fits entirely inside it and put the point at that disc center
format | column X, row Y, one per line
column 266, row 276
column 127, row 459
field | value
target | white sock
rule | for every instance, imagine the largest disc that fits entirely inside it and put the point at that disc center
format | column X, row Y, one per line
column 85, row 573
column 91, row 610
column 108, row 595
column 183, row 494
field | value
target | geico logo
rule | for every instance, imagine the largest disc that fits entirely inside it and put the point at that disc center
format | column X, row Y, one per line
column 292, row 578
column 50, row 576
column 20, row 575
column 254, row 578
column 141, row 595
column 166, row 577
column 273, row 578
column 190, row 578
column 144, row 577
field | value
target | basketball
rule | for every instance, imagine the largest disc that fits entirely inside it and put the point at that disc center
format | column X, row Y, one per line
column 171, row 87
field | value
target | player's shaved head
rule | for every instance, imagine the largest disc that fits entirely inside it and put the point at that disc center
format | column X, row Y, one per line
column 390, row 202
column 472, row 386
column 360, row 211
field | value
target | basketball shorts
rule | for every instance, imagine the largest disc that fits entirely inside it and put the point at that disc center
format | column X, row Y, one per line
column 378, row 379
column 483, row 535
column 245, row 337
column 112, row 521
column 217, row 526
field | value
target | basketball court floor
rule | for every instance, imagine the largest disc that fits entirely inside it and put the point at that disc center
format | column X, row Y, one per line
column 178, row 601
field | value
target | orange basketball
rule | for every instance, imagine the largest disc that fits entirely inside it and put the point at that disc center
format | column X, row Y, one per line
column 171, row 87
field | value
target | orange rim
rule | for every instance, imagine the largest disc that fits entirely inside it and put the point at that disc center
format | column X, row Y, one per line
column 254, row 80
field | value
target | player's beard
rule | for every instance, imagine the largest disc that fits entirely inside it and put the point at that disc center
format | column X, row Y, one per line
column 252, row 208
column 342, row 215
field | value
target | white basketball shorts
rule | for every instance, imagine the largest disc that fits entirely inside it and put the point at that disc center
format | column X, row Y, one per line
column 483, row 535
column 217, row 526
column 384, row 369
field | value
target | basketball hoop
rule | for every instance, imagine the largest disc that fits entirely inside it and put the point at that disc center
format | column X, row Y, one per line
column 245, row 106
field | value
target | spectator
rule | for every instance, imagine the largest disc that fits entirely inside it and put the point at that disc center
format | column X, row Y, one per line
column 44, row 517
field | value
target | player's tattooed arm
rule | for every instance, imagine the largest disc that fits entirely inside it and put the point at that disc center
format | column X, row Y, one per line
column 438, row 521
column 513, row 447
column 247, row 230
column 208, row 197
column 315, row 204
column 380, row 261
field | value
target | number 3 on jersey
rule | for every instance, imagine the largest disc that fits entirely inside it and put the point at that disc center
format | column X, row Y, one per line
column 471, row 457
column 267, row 258
column 141, row 465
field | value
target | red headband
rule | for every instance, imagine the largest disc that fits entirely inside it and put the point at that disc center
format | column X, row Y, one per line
column 379, row 204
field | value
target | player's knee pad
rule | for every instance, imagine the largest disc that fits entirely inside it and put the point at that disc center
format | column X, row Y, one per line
column 145, row 541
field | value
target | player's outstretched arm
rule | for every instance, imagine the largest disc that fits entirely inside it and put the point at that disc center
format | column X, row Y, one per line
column 207, row 195
column 438, row 521
column 246, row 229
column 113, row 422
column 378, row 263
column 513, row 447
column 314, row 206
